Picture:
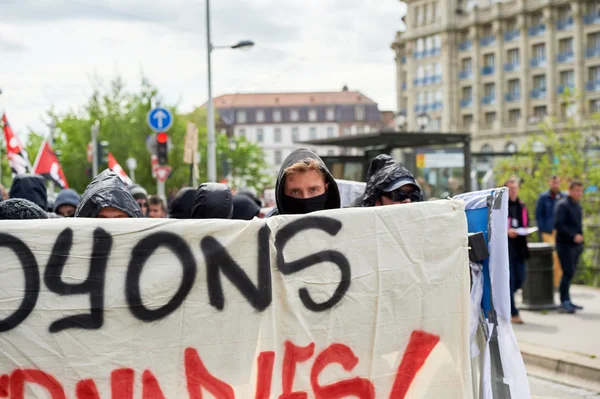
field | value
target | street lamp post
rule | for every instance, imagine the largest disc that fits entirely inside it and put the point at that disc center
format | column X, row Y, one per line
column 210, row 120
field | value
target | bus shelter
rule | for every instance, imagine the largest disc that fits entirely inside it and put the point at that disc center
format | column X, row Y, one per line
column 422, row 152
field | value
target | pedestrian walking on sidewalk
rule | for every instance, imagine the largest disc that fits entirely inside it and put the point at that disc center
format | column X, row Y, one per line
column 544, row 214
column 517, row 244
column 568, row 219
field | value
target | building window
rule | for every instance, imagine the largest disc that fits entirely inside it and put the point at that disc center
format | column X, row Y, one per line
column 277, row 157
column 466, row 64
column 467, row 93
column 359, row 113
column 490, row 118
column 511, row 25
column 420, row 45
column 595, row 74
column 514, row 87
column 428, row 44
column 565, row 46
column 360, row 129
column 260, row 116
column 277, row 135
column 346, row 131
column 426, row 13
column 436, row 124
column 487, row 30
column 242, row 133
column 241, row 117
column 437, row 69
column 514, row 116
column 277, row 116
column 437, row 12
column 489, row 60
column 437, row 41
column 367, row 129
column 540, row 112
column 539, row 82
column 312, row 115
column 595, row 106
column 430, row 97
column 594, row 42
column 487, row 149
column 510, row 147
column 564, row 13
column 467, row 120
column 312, row 133
column 294, row 134
column 260, row 135
column 513, row 57
column 539, row 51
column 331, row 111
column 489, row 90
column 419, row 15
column 330, row 131
column 294, row 115
column 537, row 19
column 567, row 78
column 421, row 98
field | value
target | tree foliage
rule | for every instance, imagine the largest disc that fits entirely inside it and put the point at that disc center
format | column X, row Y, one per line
column 122, row 117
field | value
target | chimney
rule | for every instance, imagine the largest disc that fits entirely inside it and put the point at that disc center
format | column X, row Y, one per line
column 345, row 88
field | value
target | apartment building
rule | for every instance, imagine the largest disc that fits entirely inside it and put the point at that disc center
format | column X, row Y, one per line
column 278, row 121
column 498, row 68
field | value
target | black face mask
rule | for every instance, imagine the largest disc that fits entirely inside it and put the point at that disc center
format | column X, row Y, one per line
column 299, row 206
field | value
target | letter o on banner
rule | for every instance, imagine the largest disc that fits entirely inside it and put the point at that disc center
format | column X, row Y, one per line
column 32, row 281
column 139, row 256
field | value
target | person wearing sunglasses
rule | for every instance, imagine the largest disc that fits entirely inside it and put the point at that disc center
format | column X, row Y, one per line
column 390, row 183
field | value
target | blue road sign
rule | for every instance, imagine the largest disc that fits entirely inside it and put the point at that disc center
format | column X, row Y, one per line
column 160, row 119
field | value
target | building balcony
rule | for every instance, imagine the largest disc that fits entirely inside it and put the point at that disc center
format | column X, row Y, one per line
column 487, row 70
column 511, row 67
column 538, row 94
column 488, row 100
column 417, row 82
column 462, row 75
column 592, row 52
column 538, row 62
column 567, row 56
column 436, row 106
column 418, row 54
column 564, row 24
column 433, row 52
column 591, row 18
column 537, row 30
column 510, row 36
column 432, row 80
column 512, row 97
column 593, row 86
column 420, row 108
column 562, row 88
column 466, row 45
column 488, row 40
column 466, row 102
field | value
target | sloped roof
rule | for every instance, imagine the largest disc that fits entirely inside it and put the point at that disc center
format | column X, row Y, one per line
column 242, row 100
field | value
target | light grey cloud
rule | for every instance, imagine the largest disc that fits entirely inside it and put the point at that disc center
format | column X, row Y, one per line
column 11, row 46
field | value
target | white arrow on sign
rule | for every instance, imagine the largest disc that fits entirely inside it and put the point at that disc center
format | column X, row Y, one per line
column 159, row 116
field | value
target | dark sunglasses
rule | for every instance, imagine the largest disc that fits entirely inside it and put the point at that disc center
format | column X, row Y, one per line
column 400, row 196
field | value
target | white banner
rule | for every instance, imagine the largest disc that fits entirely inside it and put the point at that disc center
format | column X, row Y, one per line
column 366, row 303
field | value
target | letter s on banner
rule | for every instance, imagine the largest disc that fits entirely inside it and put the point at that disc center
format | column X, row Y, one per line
column 32, row 281
column 331, row 227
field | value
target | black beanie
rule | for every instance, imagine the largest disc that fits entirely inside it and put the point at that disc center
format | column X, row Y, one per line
column 18, row 208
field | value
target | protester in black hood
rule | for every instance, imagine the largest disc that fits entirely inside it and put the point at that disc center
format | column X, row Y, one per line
column 250, row 195
column 19, row 209
column 66, row 203
column 181, row 207
column 213, row 201
column 305, row 185
column 390, row 183
column 244, row 208
column 141, row 197
column 107, row 197
column 30, row 187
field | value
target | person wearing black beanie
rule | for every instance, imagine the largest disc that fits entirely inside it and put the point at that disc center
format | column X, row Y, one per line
column 19, row 209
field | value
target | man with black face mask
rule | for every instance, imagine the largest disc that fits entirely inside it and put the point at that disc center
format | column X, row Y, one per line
column 305, row 185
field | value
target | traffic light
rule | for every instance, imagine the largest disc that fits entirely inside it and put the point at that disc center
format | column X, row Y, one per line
column 162, row 148
column 102, row 154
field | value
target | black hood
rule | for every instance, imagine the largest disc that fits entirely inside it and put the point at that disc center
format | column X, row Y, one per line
column 244, row 208
column 299, row 155
column 181, row 207
column 383, row 171
column 213, row 201
column 30, row 187
column 106, row 191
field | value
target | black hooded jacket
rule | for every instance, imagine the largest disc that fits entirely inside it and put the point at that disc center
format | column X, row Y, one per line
column 299, row 155
column 244, row 208
column 213, row 201
column 383, row 170
column 106, row 191
column 30, row 187
column 181, row 207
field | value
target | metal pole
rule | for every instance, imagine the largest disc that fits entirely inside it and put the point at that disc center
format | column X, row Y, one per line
column 132, row 175
column 210, row 119
column 52, row 127
column 467, row 166
column 95, row 131
column 160, row 189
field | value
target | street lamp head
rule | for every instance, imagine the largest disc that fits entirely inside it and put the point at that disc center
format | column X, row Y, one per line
column 400, row 119
column 423, row 121
column 243, row 45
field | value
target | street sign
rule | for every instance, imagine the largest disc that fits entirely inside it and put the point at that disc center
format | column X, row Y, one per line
column 162, row 173
column 191, row 143
column 160, row 119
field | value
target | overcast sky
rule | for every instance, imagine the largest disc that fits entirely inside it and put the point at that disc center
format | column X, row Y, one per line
column 50, row 49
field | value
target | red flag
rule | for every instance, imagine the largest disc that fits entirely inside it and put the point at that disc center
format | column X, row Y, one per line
column 46, row 164
column 17, row 157
column 115, row 167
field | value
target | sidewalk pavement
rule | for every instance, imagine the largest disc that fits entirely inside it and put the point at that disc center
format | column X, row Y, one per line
column 564, row 347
